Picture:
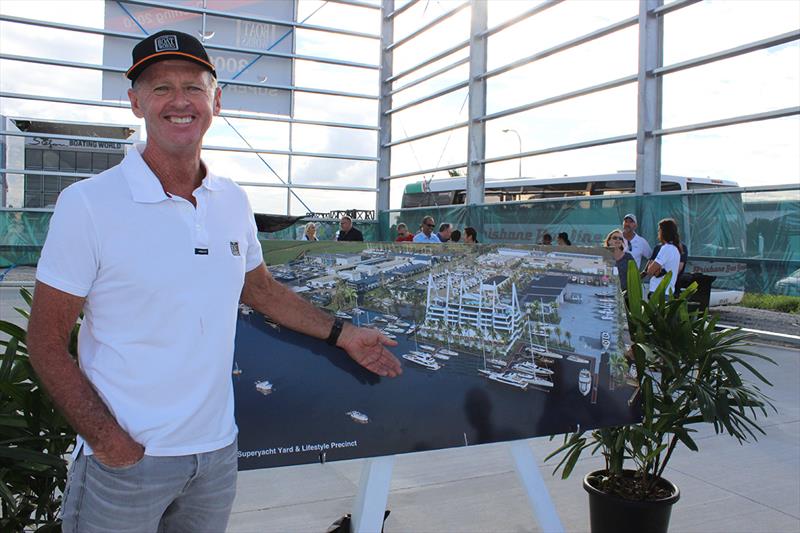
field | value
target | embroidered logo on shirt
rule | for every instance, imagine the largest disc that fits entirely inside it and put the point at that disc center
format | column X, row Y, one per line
column 166, row 42
column 235, row 248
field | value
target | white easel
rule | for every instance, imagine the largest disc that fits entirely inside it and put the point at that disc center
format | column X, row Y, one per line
column 373, row 491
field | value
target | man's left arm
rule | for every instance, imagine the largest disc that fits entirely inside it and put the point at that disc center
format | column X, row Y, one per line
column 368, row 347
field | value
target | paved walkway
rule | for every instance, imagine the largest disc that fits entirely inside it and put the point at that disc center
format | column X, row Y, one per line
column 725, row 487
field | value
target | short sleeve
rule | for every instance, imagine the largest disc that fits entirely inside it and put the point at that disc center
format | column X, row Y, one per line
column 70, row 256
column 254, row 256
column 662, row 256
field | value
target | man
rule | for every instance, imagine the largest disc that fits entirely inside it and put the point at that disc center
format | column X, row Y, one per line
column 547, row 239
column 403, row 235
column 637, row 245
column 445, row 230
column 347, row 232
column 157, row 252
column 426, row 231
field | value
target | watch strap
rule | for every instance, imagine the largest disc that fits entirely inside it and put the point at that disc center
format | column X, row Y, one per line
column 336, row 330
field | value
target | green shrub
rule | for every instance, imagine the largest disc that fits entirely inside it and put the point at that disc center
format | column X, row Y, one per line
column 34, row 438
column 772, row 302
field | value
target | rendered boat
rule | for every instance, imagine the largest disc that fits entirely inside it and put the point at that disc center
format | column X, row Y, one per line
column 264, row 387
column 507, row 379
column 428, row 362
column 531, row 380
column 358, row 416
column 532, row 368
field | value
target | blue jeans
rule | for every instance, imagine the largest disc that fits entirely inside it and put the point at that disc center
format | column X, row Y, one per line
column 191, row 493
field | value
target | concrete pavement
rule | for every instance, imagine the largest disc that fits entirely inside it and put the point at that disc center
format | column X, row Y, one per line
column 725, row 487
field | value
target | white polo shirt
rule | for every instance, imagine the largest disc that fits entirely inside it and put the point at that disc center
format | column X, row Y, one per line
column 639, row 248
column 162, row 281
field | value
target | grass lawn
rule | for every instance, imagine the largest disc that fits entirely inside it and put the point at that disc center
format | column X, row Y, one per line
column 772, row 302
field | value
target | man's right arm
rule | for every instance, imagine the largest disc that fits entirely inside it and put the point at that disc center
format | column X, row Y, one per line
column 53, row 314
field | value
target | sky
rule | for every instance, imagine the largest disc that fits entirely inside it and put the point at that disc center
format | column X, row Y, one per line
column 762, row 153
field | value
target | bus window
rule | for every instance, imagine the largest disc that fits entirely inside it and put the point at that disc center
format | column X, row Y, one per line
column 425, row 199
column 670, row 186
column 613, row 187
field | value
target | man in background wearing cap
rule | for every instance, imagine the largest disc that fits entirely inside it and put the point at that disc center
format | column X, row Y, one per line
column 637, row 245
column 157, row 252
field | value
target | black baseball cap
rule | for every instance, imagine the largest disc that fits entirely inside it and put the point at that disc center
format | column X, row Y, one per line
column 167, row 44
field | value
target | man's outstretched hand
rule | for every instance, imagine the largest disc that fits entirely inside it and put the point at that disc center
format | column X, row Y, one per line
column 367, row 347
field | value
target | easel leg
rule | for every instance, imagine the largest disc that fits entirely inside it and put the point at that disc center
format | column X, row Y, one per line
column 543, row 509
column 373, row 492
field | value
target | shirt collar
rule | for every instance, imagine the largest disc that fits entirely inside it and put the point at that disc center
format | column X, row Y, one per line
column 143, row 183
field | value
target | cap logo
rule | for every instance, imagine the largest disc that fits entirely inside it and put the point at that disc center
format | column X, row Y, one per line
column 166, row 42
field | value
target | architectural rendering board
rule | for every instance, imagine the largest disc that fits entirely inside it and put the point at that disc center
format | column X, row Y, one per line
column 497, row 343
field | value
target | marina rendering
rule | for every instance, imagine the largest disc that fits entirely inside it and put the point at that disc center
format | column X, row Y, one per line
column 518, row 313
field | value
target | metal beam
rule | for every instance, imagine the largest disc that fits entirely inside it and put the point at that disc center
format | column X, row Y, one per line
column 729, row 53
column 426, row 171
column 208, row 45
column 732, row 121
column 674, row 6
column 430, row 133
column 425, row 27
column 432, row 59
column 250, row 18
column 572, row 43
column 105, row 68
column 242, row 183
column 522, row 16
column 562, row 148
column 649, row 98
column 427, row 77
column 561, row 97
column 402, row 8
column 437, row 94
column 224, row 114
column 385, row 103
column 355, row 4
column 204, row 147
column 476, row 130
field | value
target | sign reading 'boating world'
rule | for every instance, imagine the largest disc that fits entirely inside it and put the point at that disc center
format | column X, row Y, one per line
column 497, row 343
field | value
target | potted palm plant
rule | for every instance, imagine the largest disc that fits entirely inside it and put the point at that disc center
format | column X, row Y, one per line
column 688, row 374
column 34, row 438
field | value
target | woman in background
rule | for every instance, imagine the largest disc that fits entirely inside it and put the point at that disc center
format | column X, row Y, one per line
column 563, row 239
column 616, row 244
column 310, row 233
column 668, row 258
column 470, row 235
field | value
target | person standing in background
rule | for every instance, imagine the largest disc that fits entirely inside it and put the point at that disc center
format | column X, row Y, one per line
column 444, row 232
column 310, row 232
column 637, row 245
column 616, row 244
column 347, row 232
column 470, row 235
column 669, row 256
column 426, row 231
column 403, row 235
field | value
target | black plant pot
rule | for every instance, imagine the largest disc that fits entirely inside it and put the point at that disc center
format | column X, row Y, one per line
column 612, row 514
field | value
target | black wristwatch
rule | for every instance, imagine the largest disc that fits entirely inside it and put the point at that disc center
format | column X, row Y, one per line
column 336, row 330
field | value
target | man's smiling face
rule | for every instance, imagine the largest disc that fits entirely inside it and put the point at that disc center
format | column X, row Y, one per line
column 177, row 100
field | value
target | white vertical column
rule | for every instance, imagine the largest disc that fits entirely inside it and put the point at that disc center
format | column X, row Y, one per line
column 385, row 103
column 651, row 56
column 476, row 130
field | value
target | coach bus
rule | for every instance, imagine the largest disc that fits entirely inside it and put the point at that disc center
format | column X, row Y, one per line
column 452, row 191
